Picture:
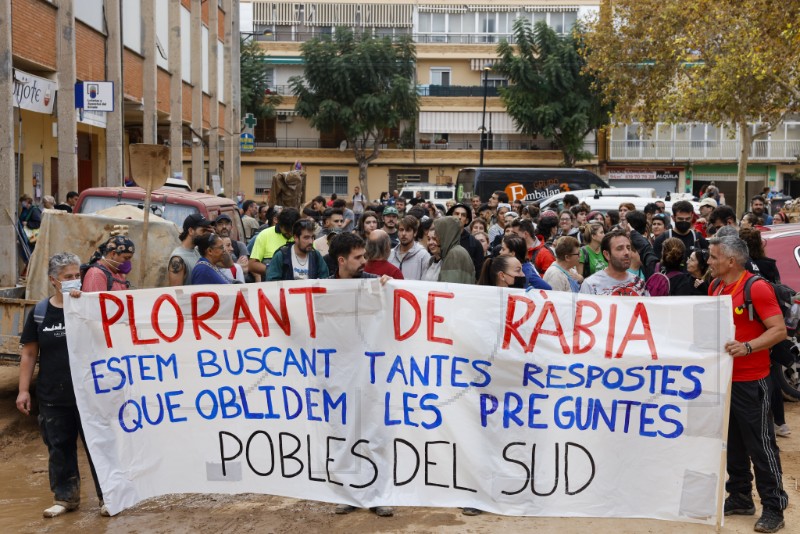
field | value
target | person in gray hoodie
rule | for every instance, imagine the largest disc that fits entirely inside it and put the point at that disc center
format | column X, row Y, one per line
column 457, row 266
column 409, row 256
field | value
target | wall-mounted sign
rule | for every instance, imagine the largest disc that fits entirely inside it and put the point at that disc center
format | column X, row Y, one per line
column 95, row 96
column 643, row 173
column 34, row 93
column 247, row 142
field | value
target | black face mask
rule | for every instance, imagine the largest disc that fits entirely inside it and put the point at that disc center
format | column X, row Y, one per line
column 683, row 226
column 519, row 282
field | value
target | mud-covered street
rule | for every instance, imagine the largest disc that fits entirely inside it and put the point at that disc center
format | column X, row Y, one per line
column 25, row 493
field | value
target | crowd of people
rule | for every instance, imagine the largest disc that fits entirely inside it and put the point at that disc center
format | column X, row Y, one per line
column 623, row 252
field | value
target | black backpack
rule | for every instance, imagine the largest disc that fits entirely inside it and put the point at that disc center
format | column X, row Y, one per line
column 783, row 293
column 109, row 275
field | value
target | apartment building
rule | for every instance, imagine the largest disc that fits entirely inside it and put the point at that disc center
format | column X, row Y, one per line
column 455, row 41
column 171, row 66
column 685, row 157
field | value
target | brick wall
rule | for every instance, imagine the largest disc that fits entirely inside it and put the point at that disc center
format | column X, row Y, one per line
column 163, row 79
column 33, row 32
column 206, row 111
column 186, row 102
column 90, row 55
column 133, row 65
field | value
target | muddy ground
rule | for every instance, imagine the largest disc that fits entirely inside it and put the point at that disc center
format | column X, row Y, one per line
column 25, row 492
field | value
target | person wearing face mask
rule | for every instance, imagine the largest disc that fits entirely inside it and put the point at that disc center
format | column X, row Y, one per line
column 44, row 338
column 109, row 271
column 502, row 271
column 682, row 216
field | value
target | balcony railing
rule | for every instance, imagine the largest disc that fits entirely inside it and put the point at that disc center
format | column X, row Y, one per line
column 539, row 144
column 703, row 150
column 455, row 90
column 419, row 38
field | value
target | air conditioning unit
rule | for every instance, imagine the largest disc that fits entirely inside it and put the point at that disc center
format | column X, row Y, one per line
column 285, row 118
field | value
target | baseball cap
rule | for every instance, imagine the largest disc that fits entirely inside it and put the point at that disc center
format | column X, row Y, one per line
column 223, row 217
column 390, row 210
column 195, row 220
column 708, row 201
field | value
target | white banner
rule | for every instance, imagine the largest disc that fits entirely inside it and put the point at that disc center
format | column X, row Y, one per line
column 410, row 394
column 34, row 93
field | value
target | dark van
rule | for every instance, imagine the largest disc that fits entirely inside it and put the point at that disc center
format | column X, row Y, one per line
column 169, row 203
column 526, row 184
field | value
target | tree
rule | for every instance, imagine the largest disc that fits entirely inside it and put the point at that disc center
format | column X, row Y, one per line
column 255, row 80
column 724, row 62
column 361, row 84
column 548, row 93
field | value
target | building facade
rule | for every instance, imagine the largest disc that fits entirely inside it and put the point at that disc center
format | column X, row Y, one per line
column 455, row 41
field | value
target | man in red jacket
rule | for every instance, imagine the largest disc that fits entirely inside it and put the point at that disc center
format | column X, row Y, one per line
column 751, row 434
column 379, row 246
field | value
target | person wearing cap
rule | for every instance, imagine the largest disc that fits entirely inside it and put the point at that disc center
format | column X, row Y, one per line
column 498, row 229
column 707, row 205
column 110, row 266
column 390, row 217
column 333, row 223
column 185, row 256
column 658, row 226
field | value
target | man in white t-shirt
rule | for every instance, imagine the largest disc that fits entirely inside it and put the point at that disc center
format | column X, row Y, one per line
column 615, row 279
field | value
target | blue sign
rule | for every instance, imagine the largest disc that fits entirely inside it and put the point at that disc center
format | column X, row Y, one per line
column 247, row 143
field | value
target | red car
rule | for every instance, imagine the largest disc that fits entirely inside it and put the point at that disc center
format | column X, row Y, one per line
column 782, row 242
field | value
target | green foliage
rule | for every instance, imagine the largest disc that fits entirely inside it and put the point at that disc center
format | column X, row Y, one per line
column 359, row 83
column 548, row 93
column 255, row 82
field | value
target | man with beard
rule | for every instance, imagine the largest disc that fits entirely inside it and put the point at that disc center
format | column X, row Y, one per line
column 298, row 260
column 682, row 216
column 757, row 207
column 409, row 256
column 222, row 227
column 390, row 224
column 470, row 244
column 615, row 279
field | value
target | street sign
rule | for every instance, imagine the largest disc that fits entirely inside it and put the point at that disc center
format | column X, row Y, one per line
column 247, row 143
column 94, row 96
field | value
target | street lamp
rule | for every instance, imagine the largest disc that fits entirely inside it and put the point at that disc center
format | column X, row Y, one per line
column 246, row 35
column 486, row 70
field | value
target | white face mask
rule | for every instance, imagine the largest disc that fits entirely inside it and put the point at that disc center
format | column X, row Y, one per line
column 69, row 285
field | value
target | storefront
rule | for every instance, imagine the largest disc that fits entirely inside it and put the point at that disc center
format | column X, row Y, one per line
column 725, row 178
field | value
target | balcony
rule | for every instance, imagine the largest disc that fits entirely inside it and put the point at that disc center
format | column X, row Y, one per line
column 309, row 142
column 419, row 38
column 456, row 90
column 727, row 150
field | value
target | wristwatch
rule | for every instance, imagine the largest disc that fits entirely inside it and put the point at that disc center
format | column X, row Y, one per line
column 748, row 347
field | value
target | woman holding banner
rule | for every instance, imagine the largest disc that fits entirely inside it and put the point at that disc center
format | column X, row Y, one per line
column 44, row 337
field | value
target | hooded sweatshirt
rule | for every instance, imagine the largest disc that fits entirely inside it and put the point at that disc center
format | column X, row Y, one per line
column 413, row 263
column 457, row 266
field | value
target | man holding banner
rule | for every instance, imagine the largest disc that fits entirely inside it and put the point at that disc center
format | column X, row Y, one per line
column 751, row 435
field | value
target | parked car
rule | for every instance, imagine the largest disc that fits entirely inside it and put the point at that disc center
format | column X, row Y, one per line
column 782, row 242
column 556, row 202
column 171, row 203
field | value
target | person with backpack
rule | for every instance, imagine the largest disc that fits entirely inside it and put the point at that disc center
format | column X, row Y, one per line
column 44, row 338
column 759, row 325
column 109, row 267
column 669, row 280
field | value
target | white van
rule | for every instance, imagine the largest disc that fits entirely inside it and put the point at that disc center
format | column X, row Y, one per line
column 435, row 193
column 556, row 202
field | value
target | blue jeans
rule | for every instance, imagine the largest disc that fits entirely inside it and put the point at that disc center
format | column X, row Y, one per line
column 61, row 426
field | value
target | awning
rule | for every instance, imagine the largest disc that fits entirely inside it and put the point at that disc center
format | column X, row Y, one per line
column 467, row 122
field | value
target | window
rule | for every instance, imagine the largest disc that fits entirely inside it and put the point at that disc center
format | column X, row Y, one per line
column 333, row 182
column 263, row 181
column 440, row 76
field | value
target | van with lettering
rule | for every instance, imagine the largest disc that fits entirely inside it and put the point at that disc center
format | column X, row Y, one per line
column 172, row 203
column 525, row 184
